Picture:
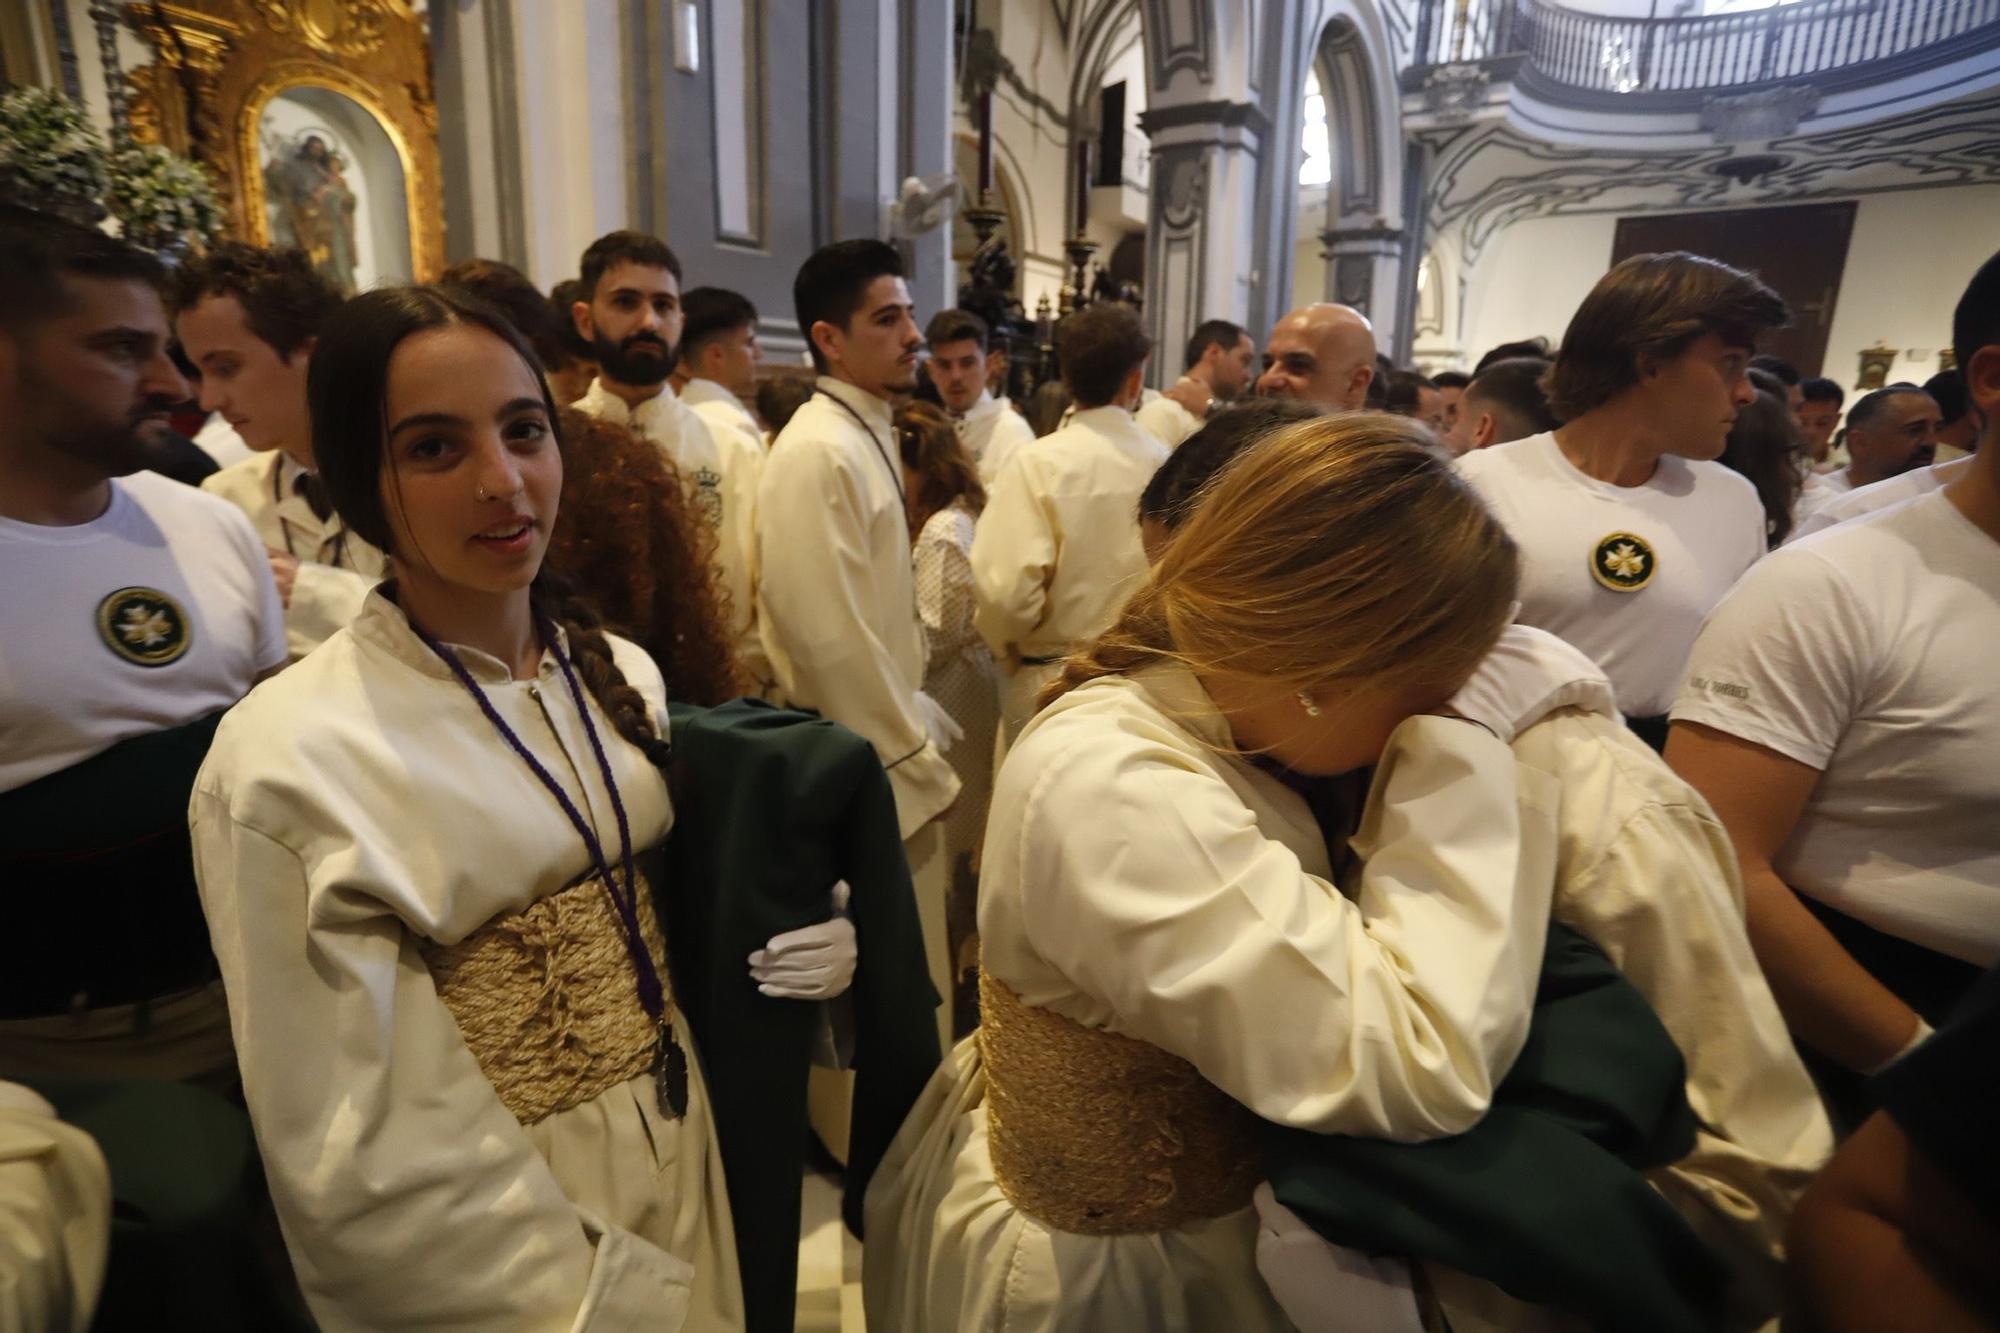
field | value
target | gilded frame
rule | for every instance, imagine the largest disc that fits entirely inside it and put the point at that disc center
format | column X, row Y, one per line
column 220, row 62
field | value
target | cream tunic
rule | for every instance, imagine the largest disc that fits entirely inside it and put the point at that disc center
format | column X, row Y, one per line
column 721, row 470
column 55, row 1218
column 837, row 601
column 1140, row 881
column 1167, row 421
column 350, row 806
column 336, row 568
column 992, row 431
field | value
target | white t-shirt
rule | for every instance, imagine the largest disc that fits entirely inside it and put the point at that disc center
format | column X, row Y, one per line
column 160, row 610
column 1623, row 572
column 1867, row 653
column 1839, row 506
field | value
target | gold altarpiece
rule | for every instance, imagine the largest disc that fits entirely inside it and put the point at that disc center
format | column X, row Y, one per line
column 219, row 64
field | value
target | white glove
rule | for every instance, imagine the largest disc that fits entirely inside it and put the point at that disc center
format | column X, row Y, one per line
column 811, row 963
column 1529, row 674
column 1328, row 1288
column 938, row 724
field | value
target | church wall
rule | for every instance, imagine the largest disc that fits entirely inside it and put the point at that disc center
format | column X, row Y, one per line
column 1911, row 254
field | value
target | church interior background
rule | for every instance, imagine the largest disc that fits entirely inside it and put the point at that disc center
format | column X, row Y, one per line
column 1460, row 170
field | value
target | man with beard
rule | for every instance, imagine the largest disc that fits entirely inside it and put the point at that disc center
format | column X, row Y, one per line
column 1889, row 432
column 836, row 596
column 1321, row 353
column 630, row 313
column 137, row 610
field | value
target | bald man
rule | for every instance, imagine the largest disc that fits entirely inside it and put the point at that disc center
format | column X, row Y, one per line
column 1322, row 353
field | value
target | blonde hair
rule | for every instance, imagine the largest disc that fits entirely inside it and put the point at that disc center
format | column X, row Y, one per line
column 1341, row 548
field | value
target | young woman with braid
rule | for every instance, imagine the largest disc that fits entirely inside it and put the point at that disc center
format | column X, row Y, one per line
column 477, row 1103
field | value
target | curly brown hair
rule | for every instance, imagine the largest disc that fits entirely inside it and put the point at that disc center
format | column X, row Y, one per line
column 629, row 540
column 945, row 471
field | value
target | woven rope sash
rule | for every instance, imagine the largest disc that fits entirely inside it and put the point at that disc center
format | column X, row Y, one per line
column 1098, row 1134
column 545, row 998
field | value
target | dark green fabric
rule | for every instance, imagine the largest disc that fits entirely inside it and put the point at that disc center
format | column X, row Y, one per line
column 193, row 1243
column 770, row 808
column 1545, row 1196
column 100, row 876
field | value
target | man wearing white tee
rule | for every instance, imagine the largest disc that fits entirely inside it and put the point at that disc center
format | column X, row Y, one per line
column 1220, row 363
column 631, row 314
column 137, row 609
column 1057, row 550
column 1842, row 715
column 1628, row 530
column 990, row 429
column 247, row 318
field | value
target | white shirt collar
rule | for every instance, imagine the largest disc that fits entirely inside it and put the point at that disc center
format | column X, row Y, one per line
column 383, row 625
column 873, row 411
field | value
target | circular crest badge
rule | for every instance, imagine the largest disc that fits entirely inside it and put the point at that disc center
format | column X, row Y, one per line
column 1623, row 562
column 144, row 626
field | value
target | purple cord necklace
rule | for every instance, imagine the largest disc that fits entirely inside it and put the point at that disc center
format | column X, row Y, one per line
column 670, row 1071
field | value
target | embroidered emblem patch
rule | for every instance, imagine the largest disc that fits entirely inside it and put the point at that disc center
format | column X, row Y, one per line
column 144, row 626
column 708, row 494
column 1622, row 562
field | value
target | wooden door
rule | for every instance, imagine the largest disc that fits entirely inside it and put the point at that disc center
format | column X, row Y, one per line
column 1799, row 251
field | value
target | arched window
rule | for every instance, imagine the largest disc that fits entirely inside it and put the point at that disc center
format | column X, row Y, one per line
column 1315, row 144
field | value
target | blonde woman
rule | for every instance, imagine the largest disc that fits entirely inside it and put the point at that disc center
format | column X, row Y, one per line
column 1162, row 939
column 945, row 498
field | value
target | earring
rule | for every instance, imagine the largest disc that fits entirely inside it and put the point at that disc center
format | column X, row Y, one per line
column 1306, row 702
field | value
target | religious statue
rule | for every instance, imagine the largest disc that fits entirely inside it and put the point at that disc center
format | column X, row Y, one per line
column 311, row 207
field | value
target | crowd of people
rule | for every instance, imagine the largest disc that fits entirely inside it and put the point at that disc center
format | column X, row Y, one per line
column 1321, row 846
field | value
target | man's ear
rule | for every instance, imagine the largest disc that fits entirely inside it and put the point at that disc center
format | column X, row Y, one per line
column 1981, row 375
column 1357, row 385
column 827, row 338
column 586, row 327
column 303, row 352
column 1134, row 386
column 1484, row 430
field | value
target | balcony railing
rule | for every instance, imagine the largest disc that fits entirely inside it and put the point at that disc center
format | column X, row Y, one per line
column 1602, row 53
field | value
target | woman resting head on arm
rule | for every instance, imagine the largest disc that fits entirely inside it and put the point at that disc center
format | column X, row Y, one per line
column 476, row 1099
column 1166, row 948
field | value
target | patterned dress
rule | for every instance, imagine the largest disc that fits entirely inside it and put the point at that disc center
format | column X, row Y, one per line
column 962, row 677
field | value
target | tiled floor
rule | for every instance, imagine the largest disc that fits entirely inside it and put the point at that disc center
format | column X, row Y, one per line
column 829, row 1263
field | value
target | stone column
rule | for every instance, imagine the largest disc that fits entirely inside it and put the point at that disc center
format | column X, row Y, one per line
column 1203, row 219
column 1363, row 266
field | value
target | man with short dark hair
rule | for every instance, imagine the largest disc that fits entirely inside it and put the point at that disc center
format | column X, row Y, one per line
column 137, row 609
column 836, row 594
column 1841, row 714
column 1962, row 421
column 580, row 355
column 1889, row 432
column 1451, row 383
column 720, row 352
column 1504, row 403
column 247, row 318
column 1628, row 529
column 1169, row 497
column 1513, row 351
column 1323, row 353
column 1412, row 394
column 1220, row 363
column 1788, row 378
column 991, row 430
column 1057, row 549
column 631, row 311
column 1820, row 401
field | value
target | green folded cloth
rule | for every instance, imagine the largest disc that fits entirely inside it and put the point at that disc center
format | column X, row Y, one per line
column 1546, row 1196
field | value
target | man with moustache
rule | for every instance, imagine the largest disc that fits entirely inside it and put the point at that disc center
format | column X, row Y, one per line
column 1629, row 531
column 1889, row 432
column 836, row 596
column 1323, row 354
column 630, row 312
column 137, row 610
